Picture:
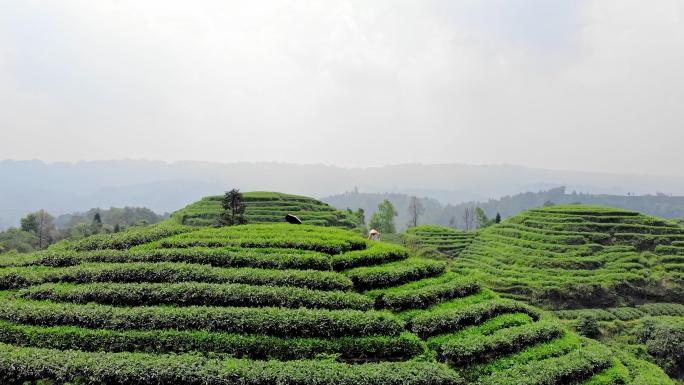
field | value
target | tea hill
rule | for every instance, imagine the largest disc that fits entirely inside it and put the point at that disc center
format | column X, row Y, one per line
column 267, row 207
column 276, row 304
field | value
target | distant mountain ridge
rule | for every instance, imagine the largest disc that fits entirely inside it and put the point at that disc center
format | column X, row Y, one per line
column 165, row 187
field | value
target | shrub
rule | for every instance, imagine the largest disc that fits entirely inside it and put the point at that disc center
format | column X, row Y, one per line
column 266, row 258
column 424, row 293
column 395, row 273
column 165, row 272
column 252, row 346
column 269, row 321
column 127, row 239
column 587, row 326
column 571, row 368
column 450, row 320
column 30, row 364
column 469, row 349
column 196, row 294
column 377, row 253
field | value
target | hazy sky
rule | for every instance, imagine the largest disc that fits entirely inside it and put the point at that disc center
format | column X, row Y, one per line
column 573, row 84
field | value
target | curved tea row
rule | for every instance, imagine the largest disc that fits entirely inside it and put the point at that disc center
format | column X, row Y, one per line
column 579, row 256
column 278, row 304
column 267, row 207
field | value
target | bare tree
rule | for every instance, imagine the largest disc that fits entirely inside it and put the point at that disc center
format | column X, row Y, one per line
column 452, row 223
column 469, row 218
column 415, row 209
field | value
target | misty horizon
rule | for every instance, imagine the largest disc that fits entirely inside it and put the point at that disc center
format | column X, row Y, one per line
column 585, row 85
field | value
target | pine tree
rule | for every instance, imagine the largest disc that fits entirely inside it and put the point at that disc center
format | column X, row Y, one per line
column 233, row 209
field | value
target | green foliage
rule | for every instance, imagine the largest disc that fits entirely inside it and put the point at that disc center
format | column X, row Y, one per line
column 165, row 272
column 578, row 256
column 376, row 253
column 587, row 326
column 449, row 320
column 233, row 209
column 164, row 305
column 42, row 225
column 617, row 373
column 196, row 294
column 470, row 349
column 448, row 241
column 268, row 320
column 424, row 293
column 576, row 365
column 17, row 240
column 267, row 207
column 383, row 219
column 313, row 238
column 394, row 273
column 555, row 348
column 626, row 313
column 126, row 240
column 264, row 258
column 68, row 366
column 252, row 346
column 656, row 309
column 664, row 337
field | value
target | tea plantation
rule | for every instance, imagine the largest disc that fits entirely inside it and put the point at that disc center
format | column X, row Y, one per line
column 267, row 207
column 449, row 242
column 572, row 257
column 276, row 304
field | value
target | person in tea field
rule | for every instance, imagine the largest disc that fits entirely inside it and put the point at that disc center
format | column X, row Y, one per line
column 374, row 235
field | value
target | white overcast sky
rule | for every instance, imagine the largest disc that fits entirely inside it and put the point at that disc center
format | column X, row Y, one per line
column 592, row 85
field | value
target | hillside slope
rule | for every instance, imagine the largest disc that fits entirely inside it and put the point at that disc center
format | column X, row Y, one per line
column 267, row 207
column 580, row 256
column 277, row 303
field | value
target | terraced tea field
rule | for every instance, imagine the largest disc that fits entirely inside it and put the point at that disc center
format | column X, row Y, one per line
column 580, row 257
column 276, row 304
column 267, row 207
column 449, row 242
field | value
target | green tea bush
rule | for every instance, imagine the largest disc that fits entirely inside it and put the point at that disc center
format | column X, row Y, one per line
column 252, row 346
column 31, row 364
column 277, row 322
column 304, row 237
column 555, row 348
column 267, row 258
column 376, row 253
column 597, row 314
column 470, row 349
column 617, row 373
column 395, row 273
column 656, row 309
column 448, row 320
column 487, row 328
column 425, row 293
column 196, row 294
column 626, row 313
column 571, row 368
column 664, row 338
column 165, row 272
column 127, row 239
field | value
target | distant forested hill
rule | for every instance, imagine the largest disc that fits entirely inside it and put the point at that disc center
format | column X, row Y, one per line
column 659, row 205
column 63, row 188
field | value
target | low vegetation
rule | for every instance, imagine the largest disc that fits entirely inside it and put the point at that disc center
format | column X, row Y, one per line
column 268, row 207
column 280, row 304
column 579, row 256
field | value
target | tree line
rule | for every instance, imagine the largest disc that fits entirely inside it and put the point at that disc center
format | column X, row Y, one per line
column 40, row 229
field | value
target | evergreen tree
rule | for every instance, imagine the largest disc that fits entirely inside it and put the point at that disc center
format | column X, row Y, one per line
column 96, row 224
column 233, row 209
column 498, row 218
